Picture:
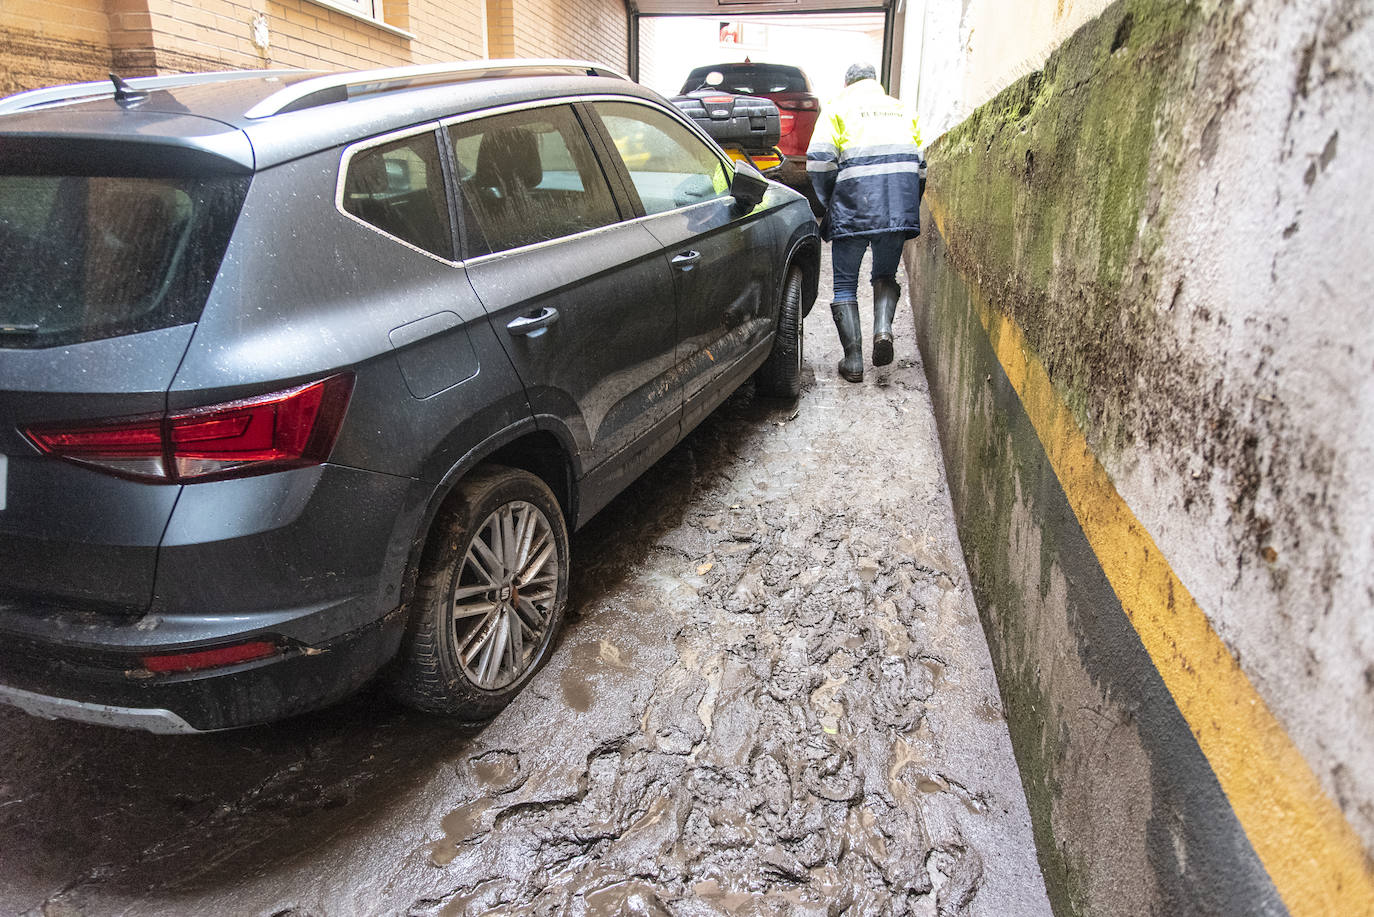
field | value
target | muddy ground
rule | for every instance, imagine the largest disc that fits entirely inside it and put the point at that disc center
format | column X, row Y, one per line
column 773, row 697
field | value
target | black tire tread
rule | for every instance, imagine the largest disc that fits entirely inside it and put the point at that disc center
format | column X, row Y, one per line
column 780, row 376
column 423, row 677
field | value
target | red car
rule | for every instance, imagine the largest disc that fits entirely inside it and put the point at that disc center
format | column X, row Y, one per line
column 786, row 87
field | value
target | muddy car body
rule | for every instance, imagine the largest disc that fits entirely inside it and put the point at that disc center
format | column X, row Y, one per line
column 304, row 376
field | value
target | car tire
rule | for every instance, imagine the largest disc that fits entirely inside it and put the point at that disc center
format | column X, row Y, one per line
column 496, row 565
column 780, row 376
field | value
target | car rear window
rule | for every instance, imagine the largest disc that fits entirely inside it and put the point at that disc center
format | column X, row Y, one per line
column 90, row 257
column 399, row 188
column 751, row 79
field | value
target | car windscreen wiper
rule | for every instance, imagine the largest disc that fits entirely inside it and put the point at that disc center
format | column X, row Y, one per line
column 7, row 329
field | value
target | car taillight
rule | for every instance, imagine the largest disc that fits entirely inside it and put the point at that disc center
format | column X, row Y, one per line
column 290, row 429
column 209, row 659
column 799, row 104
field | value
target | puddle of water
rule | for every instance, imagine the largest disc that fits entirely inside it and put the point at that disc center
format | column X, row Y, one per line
column 496, row 770
column 931, row 783
column 441, row 853
column 603, row 652
column 730, row 902
column 462, row 824
column 577, row 693
column 751, row 904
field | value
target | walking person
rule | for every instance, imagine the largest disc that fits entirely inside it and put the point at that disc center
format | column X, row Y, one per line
column 865, row 164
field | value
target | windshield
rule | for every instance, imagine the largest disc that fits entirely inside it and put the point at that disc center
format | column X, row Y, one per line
column 750, row 79
column 93, row 257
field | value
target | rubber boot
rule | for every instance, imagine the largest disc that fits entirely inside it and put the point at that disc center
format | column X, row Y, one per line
column 885, row 296
column 846, row 316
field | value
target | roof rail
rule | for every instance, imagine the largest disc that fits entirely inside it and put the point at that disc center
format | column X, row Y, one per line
column 339, row 87
column 80, row 92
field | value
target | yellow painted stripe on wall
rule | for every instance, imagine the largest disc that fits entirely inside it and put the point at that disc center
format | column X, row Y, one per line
column 1313, row 856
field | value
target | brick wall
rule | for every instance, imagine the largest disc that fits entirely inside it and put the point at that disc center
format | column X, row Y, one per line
column 584, row 29
column 500, row 28
column 189, row 35
column 43, row 42
column 46, row 42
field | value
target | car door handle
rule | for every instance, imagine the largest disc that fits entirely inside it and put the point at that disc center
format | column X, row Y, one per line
column 686, row 260
column 533, row 323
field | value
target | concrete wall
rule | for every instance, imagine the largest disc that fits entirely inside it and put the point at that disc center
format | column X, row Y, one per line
column 1143, row 303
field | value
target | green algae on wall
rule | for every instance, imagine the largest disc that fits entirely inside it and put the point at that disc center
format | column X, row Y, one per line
column 1057, row 186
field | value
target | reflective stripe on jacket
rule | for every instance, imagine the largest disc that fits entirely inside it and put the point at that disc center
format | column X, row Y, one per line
column 866, row 166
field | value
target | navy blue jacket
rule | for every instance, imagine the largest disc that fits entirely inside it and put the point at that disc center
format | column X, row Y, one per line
column 866, row 166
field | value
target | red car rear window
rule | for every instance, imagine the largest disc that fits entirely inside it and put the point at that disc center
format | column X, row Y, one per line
column 751, row 79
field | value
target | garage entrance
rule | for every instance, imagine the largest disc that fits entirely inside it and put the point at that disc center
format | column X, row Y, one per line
column 670, row 37
column 822, row 45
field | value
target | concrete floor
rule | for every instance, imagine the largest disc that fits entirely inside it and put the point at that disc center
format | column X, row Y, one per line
column 773, row 697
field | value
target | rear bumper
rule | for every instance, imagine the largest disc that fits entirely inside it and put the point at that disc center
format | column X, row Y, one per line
column 310, row 561
column 114, row 690
column 60, row 708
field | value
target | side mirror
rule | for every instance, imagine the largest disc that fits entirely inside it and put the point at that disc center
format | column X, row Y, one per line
column 748, row 186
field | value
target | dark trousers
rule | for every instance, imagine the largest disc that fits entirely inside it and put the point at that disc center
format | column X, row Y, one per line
column 847, row 254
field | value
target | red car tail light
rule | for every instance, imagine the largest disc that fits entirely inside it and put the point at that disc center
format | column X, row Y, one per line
column 290, row 429
column 798, row 104
column 209, row 659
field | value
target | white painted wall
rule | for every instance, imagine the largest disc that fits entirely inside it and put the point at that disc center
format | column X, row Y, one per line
column 957, row 56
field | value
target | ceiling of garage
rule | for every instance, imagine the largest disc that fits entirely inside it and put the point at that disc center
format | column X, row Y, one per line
column 741, row 7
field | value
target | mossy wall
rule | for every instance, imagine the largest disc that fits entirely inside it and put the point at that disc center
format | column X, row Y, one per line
column 1167, row 220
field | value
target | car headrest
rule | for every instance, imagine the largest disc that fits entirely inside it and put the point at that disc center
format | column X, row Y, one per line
column 509, row 153
column 367, row 174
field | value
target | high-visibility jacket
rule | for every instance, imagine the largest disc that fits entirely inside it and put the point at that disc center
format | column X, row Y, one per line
column 866, row 166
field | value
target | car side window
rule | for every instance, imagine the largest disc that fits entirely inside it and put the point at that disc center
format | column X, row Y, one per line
column 527, row 177
column 670, row 166
column 398, row 187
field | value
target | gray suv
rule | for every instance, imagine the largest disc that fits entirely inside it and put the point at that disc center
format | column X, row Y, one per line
column 306, row 377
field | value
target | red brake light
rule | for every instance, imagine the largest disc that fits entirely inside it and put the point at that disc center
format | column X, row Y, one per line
column 718, row 100
column 209, row 659
column 289, row 429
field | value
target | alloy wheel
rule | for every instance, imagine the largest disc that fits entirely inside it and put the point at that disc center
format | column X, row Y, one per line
column 503, row 595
